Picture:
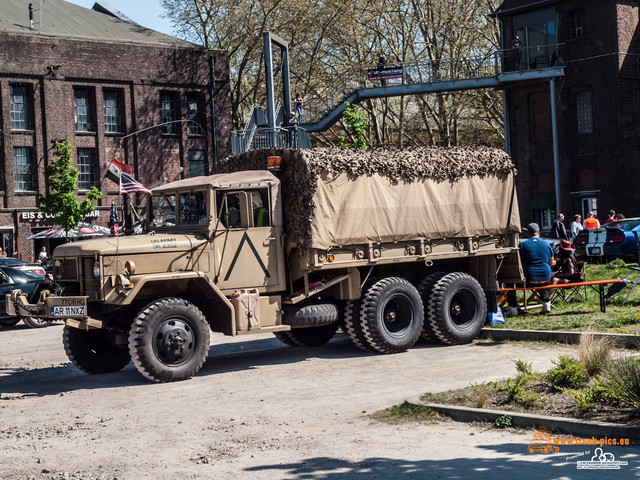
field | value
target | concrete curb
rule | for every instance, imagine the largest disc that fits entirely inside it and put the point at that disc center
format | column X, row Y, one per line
column 622, row 340
column 582, row 428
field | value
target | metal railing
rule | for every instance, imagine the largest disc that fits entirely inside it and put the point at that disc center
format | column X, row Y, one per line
column 282, row 137
column 344, row 81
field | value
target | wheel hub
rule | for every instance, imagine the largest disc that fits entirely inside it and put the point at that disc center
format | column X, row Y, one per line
column 391, row 316
column 174, row 341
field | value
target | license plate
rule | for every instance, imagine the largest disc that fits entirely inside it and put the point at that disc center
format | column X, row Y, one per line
column 68, row 311
column 595, row 251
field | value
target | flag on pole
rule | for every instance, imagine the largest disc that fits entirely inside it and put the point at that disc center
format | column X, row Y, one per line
column 116, row 168
column 129, row 185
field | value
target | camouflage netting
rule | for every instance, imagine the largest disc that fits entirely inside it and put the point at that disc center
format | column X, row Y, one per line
column 302, row 170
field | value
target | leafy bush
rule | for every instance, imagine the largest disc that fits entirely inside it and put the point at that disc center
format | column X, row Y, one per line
column 524, row 367
column 515, row 387
column 583, row 400
column 601, row 390
column 624, row 378
column 567, row 373
column 595, row 352
column 503, row 422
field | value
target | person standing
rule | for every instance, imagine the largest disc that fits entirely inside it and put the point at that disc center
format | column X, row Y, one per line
column 591, row 221
column 576, row 226
column 293, row 130
column 42, row 256
column 382, row 63
column 611, row 218
column 516, row 47
column 299, row 103
column 558, row 230
column 537, row 260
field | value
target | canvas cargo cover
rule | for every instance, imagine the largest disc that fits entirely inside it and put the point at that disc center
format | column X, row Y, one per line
column 352, row 210
column 337, row 197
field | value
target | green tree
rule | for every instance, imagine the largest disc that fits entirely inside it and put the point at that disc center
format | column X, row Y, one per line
column 61, row 201
column 357, row 123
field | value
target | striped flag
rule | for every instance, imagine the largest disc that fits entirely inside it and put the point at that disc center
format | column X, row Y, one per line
column 116, row 168
column 129, row 185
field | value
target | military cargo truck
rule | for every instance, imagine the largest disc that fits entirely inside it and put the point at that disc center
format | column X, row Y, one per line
column 390, row 245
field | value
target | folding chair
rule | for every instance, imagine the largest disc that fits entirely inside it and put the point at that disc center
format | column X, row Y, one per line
column 579, row 292
column 615, row 289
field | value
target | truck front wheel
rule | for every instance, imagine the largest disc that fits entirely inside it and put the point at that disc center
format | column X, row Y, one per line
column 169, row 340
column 95, row 351
column 457, row 308
column 392, row 315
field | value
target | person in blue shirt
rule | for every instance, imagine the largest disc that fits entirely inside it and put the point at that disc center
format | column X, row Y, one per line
column 537, row 259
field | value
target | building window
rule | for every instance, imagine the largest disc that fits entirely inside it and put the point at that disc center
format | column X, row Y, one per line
column 82, row 109
column 194, row 114
column 168, row 113
column 576, row 18
column 112, row 112
column 584, row 112
column 85, row 169
column 197, row 165
column 19, row 108
column 23, row 169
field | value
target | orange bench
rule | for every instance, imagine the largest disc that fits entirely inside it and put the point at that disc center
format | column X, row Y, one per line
column 597, row 285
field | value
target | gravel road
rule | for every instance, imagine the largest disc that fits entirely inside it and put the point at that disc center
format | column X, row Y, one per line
column 262, row 410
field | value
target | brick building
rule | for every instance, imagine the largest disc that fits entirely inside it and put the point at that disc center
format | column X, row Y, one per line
column 115, row 90
column 598, row 108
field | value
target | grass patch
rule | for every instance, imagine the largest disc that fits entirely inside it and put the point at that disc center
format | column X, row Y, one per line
column 583, row 314
column 407, row 412
column 567, row 389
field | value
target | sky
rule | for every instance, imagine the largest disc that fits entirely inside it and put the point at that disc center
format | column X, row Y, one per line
column 144, row 12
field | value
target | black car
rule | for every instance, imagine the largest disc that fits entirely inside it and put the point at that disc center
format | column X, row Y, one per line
column 21, row 265
column 30, row 284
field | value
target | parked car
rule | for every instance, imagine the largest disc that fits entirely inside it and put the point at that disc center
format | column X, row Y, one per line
column 616, row 239
column 21, row 265
column 30, row 284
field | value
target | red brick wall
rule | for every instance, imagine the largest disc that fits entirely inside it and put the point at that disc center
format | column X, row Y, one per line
column 140, row 73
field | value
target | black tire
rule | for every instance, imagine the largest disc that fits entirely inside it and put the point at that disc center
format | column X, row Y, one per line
column 312, row 315
column 353, row 325
column 35, row 322
column 9, row 322
column 169, row 340
column 353, row 321
column 425, row 287
column 95, row 350
column 285, row 338
column 457, row 308
column 392, row 315
column 313, row 336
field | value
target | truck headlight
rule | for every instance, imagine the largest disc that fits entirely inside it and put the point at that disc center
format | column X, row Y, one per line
column 96, row 270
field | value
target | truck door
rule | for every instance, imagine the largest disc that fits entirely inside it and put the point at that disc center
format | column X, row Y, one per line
column 248, row 248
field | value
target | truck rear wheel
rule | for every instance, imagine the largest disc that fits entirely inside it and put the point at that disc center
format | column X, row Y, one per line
column 457, row 308
column 392, row 315
column 169, row 340
column 308, row 337
column 35, row 322
column 95, row 351
column 353, row 325
column 425, row 287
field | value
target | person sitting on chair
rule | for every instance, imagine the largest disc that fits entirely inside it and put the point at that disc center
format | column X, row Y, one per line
column 567, row 266
column 537, row 260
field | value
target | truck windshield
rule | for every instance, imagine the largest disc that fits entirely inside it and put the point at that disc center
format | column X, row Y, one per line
column 193, row 208
column 163, row 211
